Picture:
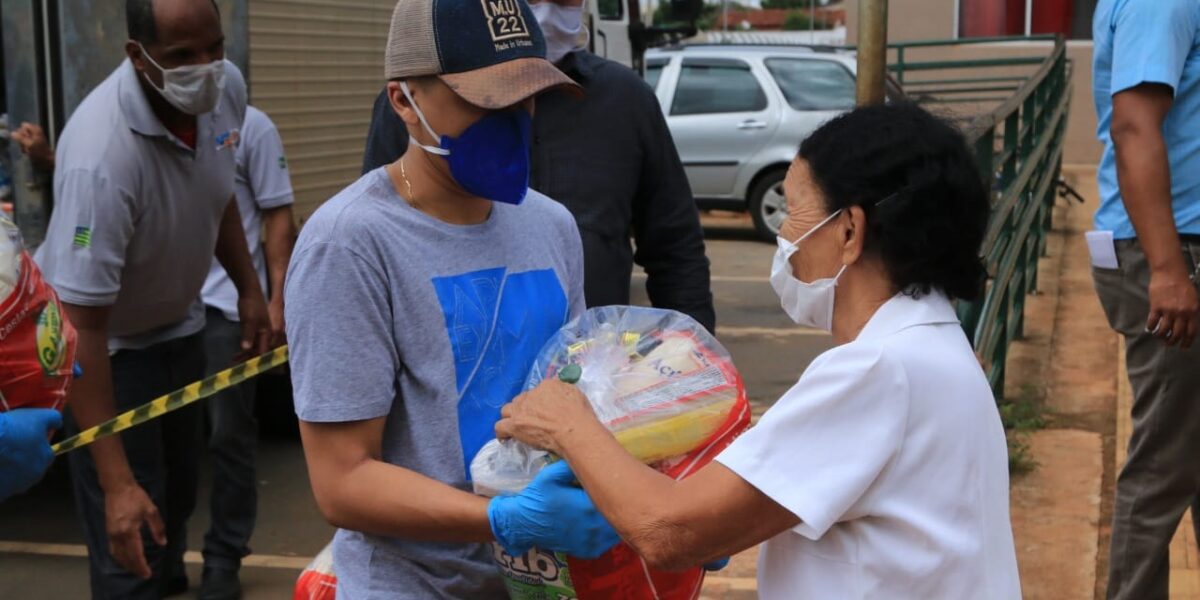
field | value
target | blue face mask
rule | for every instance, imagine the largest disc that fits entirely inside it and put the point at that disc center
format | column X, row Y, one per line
column 491, row 158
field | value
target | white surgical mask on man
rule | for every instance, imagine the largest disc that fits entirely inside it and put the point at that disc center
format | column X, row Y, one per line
column 193, row 89
column 808, row 304
column 562, row 27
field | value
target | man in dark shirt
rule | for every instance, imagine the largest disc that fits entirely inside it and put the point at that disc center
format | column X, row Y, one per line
column 609, row 158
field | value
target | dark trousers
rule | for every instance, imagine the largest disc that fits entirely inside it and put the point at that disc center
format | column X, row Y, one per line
column 163, row 456
column 234, row 445
column 1161, row 477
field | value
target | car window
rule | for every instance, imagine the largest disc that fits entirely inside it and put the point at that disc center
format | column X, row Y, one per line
column 653, row 74
column 610, row 10
column 813, row 84
column 725, row 86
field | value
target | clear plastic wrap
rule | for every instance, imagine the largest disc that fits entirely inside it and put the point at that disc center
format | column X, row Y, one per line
column 668, row 391
column 317, row 581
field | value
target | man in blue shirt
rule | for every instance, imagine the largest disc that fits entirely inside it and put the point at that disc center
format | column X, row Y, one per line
column 1147, row 93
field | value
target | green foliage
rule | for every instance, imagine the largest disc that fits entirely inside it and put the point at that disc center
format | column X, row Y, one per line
column 805, row 4
column 799, row 20
column 709, row 15
column 1020, row 417
column 1020, row 458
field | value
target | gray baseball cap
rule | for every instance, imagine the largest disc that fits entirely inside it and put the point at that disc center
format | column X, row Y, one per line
column 490, row 52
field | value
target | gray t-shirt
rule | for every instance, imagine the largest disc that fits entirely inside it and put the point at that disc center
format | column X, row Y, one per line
column 137, row 211
column 392, row 313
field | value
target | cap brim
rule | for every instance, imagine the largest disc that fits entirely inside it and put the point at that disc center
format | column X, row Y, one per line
column 505, row 84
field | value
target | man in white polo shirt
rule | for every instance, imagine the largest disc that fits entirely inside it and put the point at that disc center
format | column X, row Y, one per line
column 264, row 198
column 143, row 188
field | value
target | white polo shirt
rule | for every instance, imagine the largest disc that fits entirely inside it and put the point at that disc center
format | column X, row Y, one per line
column 262, row 183
column 891, row 452
column 137, row 212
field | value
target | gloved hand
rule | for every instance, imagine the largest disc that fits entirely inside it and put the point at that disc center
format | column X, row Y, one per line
column 552, row 514
column 716, row 565
column 25, row 452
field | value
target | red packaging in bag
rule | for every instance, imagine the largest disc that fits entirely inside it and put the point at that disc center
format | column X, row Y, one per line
column 37, row 343
column 317, row 581
column 621, row 573
column 671, row 396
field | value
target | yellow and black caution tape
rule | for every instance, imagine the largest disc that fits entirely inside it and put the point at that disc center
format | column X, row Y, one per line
column 178, row 399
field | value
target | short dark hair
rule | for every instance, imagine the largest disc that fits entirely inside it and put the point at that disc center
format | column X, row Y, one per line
column 926, row 204
column 139, row 20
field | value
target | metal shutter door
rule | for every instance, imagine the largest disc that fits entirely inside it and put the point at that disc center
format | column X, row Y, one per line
column 315, row 68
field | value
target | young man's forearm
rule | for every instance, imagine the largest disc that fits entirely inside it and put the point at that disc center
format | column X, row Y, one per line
column 280, row 229
column 233, row 254
column 382, row 499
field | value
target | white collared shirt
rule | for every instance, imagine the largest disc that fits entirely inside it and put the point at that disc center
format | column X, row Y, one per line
column 137, row 212
column 263, row 183
column 891, row 452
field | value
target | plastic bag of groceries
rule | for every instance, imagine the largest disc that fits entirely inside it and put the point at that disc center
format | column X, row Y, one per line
column 37, row 343
column 317, row 581
column 671, row 396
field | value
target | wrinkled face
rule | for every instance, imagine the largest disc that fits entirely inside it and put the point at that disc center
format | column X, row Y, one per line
column 189, row 33
column 820, row 254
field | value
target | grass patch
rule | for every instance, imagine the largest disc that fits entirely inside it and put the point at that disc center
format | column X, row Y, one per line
column 1020, row 416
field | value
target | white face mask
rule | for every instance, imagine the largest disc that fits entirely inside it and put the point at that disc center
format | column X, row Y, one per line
column 562, row 27
column 193, row 89
column 808, row 304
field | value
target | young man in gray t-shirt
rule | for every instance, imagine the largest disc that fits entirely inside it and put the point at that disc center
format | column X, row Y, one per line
column 416, row 302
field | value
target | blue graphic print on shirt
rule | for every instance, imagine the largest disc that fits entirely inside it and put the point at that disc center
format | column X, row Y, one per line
column 497, row 323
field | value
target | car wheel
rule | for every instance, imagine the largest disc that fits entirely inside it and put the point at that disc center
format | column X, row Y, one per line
column 768, row 207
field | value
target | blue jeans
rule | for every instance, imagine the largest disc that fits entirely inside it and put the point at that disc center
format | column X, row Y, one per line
column 163, row 455
column 233, row 445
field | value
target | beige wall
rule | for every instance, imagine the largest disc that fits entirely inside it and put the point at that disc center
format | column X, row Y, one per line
column 911, row 20
column 315, row 69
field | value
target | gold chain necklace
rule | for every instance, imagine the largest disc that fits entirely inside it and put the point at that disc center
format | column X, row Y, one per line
column 408, row 184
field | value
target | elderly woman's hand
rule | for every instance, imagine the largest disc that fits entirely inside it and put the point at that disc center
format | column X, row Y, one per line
column 547, row 415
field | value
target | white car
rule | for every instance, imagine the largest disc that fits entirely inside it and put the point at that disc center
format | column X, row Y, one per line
column 738, row 114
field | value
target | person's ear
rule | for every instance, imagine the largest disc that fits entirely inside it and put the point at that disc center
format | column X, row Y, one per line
column 141, row 63
column 134, row 51
column 854, row 234
column 400, row 104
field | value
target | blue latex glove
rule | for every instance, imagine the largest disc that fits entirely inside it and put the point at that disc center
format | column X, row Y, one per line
column 717, row 565
column 25, row 452
column 552, row 514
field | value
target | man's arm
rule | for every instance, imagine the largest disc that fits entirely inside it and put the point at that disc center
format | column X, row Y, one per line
column 280, row 229
column 32, row 140
column 666, row 225
column 127, row 507
column 234, row 256
column 1144, row 174
column 348, row 478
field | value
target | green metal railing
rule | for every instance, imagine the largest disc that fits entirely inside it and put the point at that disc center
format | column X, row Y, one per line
column 1018, row 146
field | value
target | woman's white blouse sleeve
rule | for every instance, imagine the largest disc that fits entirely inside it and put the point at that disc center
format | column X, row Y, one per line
column 827, row 440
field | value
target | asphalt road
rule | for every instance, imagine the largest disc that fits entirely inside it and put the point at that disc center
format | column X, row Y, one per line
column 41, row 551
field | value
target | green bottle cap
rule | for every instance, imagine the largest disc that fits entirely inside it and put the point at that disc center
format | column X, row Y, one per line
column 570, row 374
